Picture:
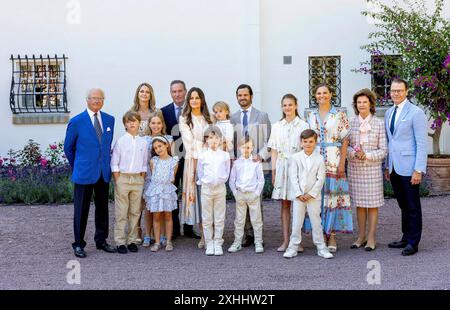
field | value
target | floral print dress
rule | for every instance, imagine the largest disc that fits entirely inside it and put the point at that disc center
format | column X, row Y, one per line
column 336, row 210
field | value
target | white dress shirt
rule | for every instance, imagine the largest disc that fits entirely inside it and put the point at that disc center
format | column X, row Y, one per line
column 399, row 111
column 213, row 167
column 247, row 176
column 227, row 130
column 99, row 116
column 130, row 155
column 308, row 160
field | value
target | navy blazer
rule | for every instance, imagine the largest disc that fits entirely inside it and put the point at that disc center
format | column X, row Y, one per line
column 172, row 127
column 86, row 155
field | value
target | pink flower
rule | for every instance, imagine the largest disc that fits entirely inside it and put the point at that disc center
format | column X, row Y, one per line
column 53, row 147
column 1, row 162
column 44, row 162
column 357, row 148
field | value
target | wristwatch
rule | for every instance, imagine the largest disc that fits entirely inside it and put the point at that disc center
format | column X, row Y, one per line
column 418, row 171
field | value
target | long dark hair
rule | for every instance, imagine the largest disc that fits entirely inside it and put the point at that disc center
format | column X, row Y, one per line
column 161, row 139
column 203, row 107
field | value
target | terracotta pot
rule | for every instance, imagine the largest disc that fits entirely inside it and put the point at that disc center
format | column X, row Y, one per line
column 438, row 174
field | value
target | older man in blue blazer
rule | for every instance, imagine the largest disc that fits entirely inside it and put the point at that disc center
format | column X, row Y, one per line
column 406, row 127
column 88, row 149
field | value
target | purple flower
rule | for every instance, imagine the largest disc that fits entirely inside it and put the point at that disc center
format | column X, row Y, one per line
column 447, row 63
column 53, row 147
column 44, row 162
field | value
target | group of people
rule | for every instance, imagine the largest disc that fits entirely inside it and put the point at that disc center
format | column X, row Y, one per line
column 184, row 146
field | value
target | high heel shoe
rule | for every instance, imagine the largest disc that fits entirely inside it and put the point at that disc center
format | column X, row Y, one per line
column 357, row 245
column 369, row 248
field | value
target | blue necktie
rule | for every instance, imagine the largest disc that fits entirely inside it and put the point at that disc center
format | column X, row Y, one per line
column 392, row 125
column 178, row 113
column 245, row 123
column 98, row 128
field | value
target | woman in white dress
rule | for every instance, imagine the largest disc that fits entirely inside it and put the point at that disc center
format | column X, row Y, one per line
column 193, row 123
column 144, row 103
column 284, row 141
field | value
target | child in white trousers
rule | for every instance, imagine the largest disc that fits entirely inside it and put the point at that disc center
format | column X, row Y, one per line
column 247, row 183
column 306, row 179
column 213, row 169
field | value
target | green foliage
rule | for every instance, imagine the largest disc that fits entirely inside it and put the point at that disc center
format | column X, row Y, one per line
column 423, row 41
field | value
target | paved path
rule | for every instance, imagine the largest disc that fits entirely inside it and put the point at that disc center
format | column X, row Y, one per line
column 35, row 248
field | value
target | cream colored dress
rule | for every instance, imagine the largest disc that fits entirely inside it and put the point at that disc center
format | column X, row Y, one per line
column 285, row 139
column 190, row 211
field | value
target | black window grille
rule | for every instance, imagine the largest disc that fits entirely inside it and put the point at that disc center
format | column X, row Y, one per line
column 384, row 69
column 325, row 69
column 38, row 84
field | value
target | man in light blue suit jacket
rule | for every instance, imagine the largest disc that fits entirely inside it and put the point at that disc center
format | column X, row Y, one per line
column 88, row 149
column 406, row 128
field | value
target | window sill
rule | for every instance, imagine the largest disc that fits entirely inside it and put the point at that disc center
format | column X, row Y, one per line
column 40, row 118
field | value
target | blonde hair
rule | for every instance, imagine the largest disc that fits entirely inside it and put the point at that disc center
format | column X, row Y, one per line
column 221, row 105
column 152, row 102
column 157, row 113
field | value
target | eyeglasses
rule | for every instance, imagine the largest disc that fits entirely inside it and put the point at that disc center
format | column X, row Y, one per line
column 96, row 98
column 397, row 91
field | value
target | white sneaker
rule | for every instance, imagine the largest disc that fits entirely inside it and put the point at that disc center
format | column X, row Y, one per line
column 218, row 250
column 209, row 250
column 325, row 253
column 290, row 253
column 235, row 247
column 259, row 248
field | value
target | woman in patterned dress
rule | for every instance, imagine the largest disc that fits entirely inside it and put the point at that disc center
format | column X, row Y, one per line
column 333, row 128
column 144, row 103
column 193, row 123
column 366, row 152
column 284, row 141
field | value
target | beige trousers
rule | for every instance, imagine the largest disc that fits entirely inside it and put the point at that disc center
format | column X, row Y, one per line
column 298, row 216
column 128, row 197
column 253, row 203
column 213, row 200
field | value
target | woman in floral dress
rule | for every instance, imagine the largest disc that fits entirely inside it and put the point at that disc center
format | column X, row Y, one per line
column 284, row 141
column 333, row 129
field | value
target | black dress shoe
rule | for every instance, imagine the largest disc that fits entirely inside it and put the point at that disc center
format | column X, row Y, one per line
column 122, row 249
column 132, row 247
column 249, row 240
column 191, row 234
column 358, row 245
column 409, row 250
column 106, row 247
column 79, row 252
column 398, row 244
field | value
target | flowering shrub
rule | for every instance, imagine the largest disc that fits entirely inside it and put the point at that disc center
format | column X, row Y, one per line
column 423, row 41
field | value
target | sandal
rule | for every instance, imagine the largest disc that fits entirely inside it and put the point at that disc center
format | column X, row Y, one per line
column 155, row 247
column 169, row 246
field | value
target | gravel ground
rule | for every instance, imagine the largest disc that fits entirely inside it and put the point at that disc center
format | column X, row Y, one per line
column 35, row 249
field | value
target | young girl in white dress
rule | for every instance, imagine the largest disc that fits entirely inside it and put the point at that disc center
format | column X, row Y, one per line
column 284, row 141
column 160, row 194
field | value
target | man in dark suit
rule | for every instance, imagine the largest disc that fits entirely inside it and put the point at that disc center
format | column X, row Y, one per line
column 88, row 149
column 406, row 127
column 172, row 113
column 249, row 121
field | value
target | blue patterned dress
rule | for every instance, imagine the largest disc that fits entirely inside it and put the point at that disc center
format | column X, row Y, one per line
column 160, row 195
column 336, row 210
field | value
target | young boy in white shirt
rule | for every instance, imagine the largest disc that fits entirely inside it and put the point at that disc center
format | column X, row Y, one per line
column 213, row 169
column 128, row 165
column 247, row 183
column 306, row 179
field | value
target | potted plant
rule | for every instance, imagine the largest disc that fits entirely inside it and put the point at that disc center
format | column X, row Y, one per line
column 422, row 40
